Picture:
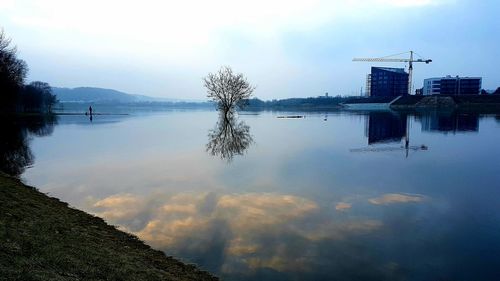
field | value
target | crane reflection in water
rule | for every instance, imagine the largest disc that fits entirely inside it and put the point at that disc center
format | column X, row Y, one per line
column 391, row 127
column 387, row 127
column 229, row 137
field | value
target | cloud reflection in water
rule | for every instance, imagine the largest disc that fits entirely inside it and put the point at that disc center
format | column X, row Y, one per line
column 396, row 198
column 237, row 233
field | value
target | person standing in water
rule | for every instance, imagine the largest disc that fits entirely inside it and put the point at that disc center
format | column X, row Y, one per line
column 90, row 113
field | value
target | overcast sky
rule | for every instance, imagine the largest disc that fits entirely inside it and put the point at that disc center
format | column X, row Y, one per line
column 286, row 48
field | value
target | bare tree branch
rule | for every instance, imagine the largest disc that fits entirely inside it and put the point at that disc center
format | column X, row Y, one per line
column 227, row 89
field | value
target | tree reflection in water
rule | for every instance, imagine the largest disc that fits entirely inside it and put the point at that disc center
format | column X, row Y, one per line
column 230, row 137
column 15, row 153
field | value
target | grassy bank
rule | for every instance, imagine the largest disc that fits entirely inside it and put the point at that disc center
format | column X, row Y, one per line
column 476, row 102
column 41, row 238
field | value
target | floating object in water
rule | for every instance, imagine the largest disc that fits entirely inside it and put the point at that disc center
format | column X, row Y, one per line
column 291, row 116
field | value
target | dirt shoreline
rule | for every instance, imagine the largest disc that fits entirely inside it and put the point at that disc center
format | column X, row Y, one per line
column 42, row 238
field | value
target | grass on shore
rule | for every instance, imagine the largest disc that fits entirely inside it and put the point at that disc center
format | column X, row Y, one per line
column 41, row 238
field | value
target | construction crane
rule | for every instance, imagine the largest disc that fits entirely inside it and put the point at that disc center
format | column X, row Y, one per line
column 410, row 61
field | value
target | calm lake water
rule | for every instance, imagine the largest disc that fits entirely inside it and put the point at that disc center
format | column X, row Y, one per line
column 332, row 196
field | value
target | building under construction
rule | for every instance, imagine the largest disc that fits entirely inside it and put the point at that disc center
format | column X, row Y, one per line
column 387, row 82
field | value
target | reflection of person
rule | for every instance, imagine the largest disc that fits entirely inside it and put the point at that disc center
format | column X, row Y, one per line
column 90, row 110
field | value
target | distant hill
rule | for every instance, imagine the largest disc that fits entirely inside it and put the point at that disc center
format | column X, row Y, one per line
column 100, row 95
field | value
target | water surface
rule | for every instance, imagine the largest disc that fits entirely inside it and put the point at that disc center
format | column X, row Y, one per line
column 332, row 196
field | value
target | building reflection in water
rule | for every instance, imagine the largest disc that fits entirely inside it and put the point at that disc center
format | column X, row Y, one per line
column 383, row 127
column 388, row 127
column 15, row 153
column 451, row 122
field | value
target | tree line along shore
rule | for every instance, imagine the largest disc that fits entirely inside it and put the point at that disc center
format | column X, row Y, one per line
column 17, row 96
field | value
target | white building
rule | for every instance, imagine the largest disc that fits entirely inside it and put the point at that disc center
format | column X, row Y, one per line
column 432, row 86
column 452, row 85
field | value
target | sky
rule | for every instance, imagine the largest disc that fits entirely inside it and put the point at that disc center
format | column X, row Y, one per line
column 286, row 48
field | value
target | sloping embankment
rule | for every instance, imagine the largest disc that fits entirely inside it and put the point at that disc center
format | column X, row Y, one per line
column 442, row 101
column 41, row 238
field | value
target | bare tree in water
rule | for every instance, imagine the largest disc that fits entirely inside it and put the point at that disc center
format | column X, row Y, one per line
column 228, row 89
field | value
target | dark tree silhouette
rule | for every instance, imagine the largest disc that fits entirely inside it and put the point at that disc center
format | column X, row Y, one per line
column 12, row 74
column 227, row 89
column 14, row 95
column 37, row 97
column 229, row 138
column 15, row 153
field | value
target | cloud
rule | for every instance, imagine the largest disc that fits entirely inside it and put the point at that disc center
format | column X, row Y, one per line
column 177, row 208
column 412, row 3
column 243, row 212
column 169, row 45
column 249, row 230
column 119, row 207
column 256, row 210
column 392, row 198
column 342, row 230
column 178, row 25
column 343, row 206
